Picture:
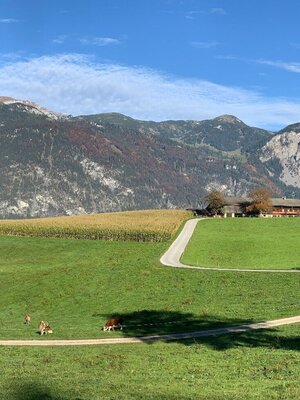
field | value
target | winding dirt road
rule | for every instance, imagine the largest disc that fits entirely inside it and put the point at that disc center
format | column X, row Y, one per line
column 172, row 259
column 172, row 256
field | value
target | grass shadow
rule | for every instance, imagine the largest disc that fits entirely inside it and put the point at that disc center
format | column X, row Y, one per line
column 34, row 391
column 153, row 322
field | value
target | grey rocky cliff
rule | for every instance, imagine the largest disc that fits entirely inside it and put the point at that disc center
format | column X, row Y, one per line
column 285, row 149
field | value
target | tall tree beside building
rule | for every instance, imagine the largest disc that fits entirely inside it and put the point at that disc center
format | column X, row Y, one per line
column 215, row 202
column 261, row 201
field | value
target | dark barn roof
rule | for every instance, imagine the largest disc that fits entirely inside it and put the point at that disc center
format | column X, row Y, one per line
column 236, row 201
column 276, row 202
column 283, row 202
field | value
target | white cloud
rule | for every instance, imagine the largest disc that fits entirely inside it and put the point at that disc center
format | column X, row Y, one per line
column 8, row 20
column 100, row 41
column 288, row 66
column 216, row 10
column 75, row 84
column 234, row 58
column 194, row 14
column 60, row 39
column 204, row 45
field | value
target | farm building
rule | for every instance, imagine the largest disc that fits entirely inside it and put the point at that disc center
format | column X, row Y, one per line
column 235, row 207
column 286, row 207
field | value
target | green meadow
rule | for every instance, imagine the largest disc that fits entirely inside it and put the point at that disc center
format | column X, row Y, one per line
column 76, row 285
column 245, row 243
column 248, row 367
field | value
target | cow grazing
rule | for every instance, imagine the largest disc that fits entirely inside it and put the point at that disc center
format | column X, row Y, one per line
column 44, row 328
column 48, row 329
column 113, row 323
column 27, row 319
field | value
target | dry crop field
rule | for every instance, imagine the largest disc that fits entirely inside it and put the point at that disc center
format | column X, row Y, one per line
column 143, row 226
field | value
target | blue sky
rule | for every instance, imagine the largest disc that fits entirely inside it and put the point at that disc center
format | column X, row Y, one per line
column 158, row 59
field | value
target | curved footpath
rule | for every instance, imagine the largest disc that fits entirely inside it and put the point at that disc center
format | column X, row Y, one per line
column 172, row 259
column 172, row 256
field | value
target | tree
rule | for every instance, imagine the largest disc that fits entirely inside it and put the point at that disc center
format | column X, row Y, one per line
column 261, row 201
column 215, row 202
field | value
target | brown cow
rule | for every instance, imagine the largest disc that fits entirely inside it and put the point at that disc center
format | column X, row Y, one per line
column 44, row 328
column 113, row 323
column 48, row 329
column 27, row 319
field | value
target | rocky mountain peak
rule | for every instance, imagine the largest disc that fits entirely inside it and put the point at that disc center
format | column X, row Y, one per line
column 7, row 100
column 228, row 118
column 28, row 106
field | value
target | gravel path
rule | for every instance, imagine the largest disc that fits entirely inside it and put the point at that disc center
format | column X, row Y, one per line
column 155, row 338
column 172, row 256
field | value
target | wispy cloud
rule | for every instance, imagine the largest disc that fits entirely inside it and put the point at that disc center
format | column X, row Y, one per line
column 217, row 10
column 205, row 45
column 194, row 14
column 8, row 20
column 139, row 92
column 100, row 41
column 288, row 66
column 60, row 39
column 12, row 57
column 228, row 57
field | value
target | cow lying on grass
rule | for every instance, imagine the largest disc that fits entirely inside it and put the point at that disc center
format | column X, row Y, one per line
column 44, row 328
column 113, row 323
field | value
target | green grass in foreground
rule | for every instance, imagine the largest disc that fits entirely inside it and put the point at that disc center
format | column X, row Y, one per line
column 245, row 243
column 222, row 368
column 77, row 284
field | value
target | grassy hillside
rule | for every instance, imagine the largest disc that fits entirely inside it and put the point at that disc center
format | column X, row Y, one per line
column 77, row 285
column 245, row 243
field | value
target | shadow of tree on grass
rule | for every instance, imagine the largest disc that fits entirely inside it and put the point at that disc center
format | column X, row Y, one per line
column 34, row 391
column 152, row 322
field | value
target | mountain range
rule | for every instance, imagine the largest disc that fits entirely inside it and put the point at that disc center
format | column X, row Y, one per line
column 55, row 164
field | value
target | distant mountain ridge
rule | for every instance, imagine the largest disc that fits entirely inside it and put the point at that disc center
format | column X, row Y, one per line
column 194, row 133
column 53, row 164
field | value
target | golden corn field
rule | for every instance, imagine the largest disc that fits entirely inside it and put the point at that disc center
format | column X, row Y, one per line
column 142, row 226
